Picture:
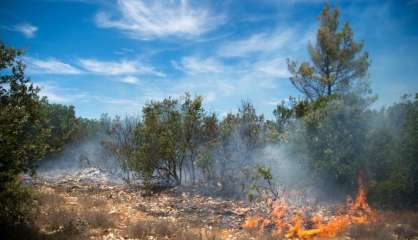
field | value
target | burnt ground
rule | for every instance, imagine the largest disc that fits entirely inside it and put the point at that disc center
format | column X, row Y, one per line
column 74, row 207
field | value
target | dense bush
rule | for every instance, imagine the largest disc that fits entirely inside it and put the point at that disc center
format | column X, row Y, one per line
column 30, row 128
column 22, row 136
column 344, row 137
column 391, row 158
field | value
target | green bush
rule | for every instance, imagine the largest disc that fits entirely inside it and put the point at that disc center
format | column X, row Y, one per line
column 22, row 136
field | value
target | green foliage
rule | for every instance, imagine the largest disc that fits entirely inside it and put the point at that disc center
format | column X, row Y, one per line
column 262, row 183
column 206, row 163
column 391, row 158
column 208, row 143
column 63, row 125
column 16, row 201
column 173, row 135
column 192, row 121
column 332, row 138
column 176, row 138
column 340, row 136
column 30, row 128
column 159, row 143
column 22, row 136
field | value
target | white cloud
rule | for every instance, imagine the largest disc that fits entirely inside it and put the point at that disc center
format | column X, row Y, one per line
column 151, row 19
column 257, row 43
column 49, row 66
column 118, row 67
column 27, row 29
column 130, row 80
column 194, row 66
column 276, row 67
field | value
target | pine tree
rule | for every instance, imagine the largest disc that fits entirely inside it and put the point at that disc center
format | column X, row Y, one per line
column 337, row 61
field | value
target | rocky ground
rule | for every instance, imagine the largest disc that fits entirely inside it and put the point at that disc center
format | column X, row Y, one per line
column 90, row 205
column 86, row 205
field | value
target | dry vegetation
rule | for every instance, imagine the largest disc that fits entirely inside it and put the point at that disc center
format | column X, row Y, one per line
column 80, row 211
column 73, row 210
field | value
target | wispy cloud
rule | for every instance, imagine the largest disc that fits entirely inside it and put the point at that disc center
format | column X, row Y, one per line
column 27, row 29
column 256, row 43
column 56, row 94
column 152, row 19
column 118, row 67
column 76, row 96
column 49, row 66
column 276, row 67
column 194, row 65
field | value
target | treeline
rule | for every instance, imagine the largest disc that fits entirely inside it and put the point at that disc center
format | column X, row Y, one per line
column 337, row 138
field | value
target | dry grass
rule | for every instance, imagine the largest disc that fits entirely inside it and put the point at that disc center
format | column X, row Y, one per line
column 58, row 216
column 65, row 220
column 49, row 199
column 97, row 219
column 143, row 228
column 55, row 216
column 187, row 235
column 89, row 202
column 163, row 229
column 93, row 212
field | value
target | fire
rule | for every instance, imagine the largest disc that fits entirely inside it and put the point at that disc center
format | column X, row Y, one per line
column 295, row 224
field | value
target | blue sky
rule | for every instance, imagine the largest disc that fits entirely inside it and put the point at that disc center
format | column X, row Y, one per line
column 114, row 56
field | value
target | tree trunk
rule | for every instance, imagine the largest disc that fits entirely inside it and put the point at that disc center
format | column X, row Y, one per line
column 192, row 166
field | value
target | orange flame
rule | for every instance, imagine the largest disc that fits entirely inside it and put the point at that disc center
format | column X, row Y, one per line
column 358, row 212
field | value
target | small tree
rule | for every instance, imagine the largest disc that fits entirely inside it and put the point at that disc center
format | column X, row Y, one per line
column 192, row 117
column 159, row 146
column 120, row 142
column 337, row 61
column 209, row 142
column 241, row 135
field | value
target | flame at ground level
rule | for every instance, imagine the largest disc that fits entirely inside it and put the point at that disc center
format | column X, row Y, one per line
column 298, row 224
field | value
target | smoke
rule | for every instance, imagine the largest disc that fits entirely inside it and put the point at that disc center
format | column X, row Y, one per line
column 285, row 168
column 315, row 155
column 81, row 160
column 319, row 155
